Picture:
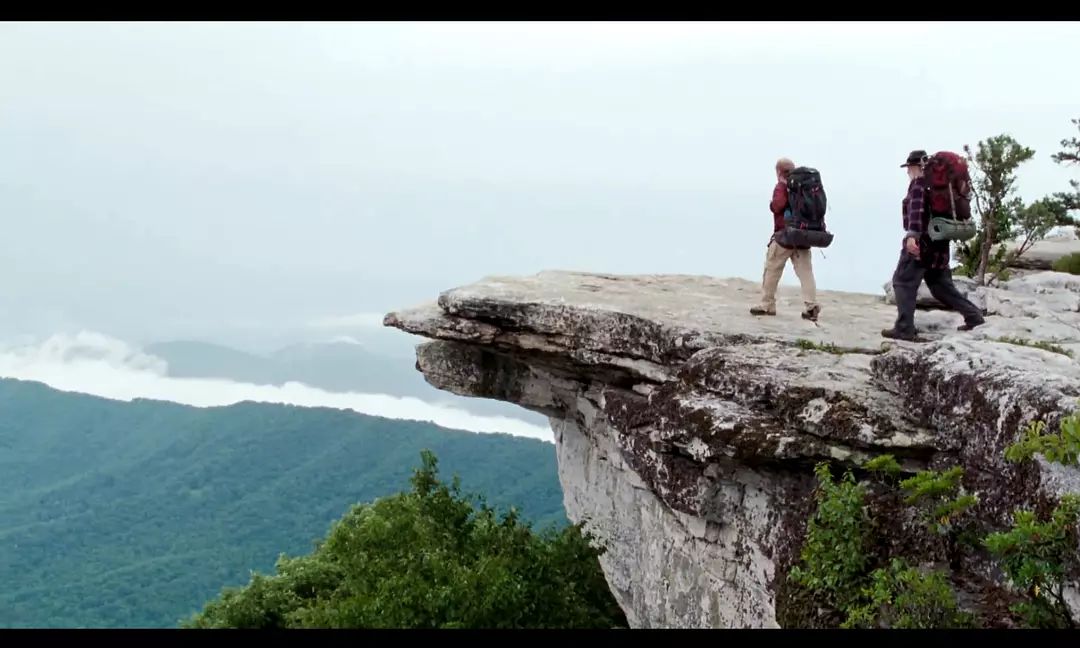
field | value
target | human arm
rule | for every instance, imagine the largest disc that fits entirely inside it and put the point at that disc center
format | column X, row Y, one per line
column 779, row 199
column 913, row 217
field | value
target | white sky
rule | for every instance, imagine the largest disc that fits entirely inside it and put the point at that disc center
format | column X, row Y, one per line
column 164, row 180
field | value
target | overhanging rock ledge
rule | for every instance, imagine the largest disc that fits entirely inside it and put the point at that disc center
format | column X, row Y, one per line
column 687, row 429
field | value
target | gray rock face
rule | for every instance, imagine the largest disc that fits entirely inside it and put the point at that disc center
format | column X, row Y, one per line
column 687, row 429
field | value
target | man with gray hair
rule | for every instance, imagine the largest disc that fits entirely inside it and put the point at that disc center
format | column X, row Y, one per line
column 777, row 255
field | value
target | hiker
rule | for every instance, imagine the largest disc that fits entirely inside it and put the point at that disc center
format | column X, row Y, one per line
column 777, row 254
column 925, row 259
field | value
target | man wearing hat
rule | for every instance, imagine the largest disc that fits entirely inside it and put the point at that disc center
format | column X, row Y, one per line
column 922, row 259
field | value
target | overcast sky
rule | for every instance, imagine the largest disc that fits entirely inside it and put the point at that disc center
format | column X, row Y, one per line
column 169, row 180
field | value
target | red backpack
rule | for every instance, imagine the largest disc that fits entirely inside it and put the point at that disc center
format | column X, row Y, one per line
column 948, row 186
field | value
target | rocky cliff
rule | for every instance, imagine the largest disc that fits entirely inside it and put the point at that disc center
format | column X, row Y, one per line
column 687, row 430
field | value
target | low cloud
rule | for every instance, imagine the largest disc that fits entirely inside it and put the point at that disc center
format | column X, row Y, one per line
column 357, row 320
column 91, row 363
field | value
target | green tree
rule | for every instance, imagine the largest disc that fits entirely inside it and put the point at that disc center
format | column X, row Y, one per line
column 1070, row 154
column 154, row 506
column 1033, row 222
column 993, row 166
column 428, row 558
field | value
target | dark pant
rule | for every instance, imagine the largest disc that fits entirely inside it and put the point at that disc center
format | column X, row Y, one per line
column 910, row 272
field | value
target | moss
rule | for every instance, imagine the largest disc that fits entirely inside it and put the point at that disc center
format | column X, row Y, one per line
column 1036, row 344
column 829, row 347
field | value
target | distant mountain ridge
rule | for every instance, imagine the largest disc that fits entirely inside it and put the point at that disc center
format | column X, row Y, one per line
column 332, row 366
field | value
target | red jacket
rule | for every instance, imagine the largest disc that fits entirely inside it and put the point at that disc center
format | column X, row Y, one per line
column 778, row 204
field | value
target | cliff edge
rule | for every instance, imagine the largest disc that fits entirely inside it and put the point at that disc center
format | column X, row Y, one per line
column 687, row 430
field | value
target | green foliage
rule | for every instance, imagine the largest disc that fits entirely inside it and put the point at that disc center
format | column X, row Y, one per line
column 993, row 169
column 833, row 557
column 968, row 254
column 940, row 496
column 1035, row 221
column 428, row 559
column 826, row 347
column 1036, row 556
column 1002, row 215
column 134, row 514
column 1070, row 154
column 1031, row 224
column 994, row 165
column 900, row 596
column 885, row 464
column 1069, row 263
column 932, row 484
column 1037, row 344
column 835, row 563
column 1063, row 447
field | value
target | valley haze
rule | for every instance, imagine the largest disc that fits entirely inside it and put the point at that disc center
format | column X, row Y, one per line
column 98, row 365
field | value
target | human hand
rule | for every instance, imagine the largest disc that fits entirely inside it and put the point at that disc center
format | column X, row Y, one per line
column 912, row 247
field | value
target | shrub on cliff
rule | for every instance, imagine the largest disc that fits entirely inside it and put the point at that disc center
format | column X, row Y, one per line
column 906, row 597
column 836, row 563
column 428, row 558
column 1038, row 553
column 1069, row 263
column 833, row 558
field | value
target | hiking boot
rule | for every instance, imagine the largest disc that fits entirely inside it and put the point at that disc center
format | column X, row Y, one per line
column 758, row 310
column 968, row 326
column 893, row 334
column 811, row 313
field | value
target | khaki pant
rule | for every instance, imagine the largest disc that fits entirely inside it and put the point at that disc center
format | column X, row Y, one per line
column 775, row 259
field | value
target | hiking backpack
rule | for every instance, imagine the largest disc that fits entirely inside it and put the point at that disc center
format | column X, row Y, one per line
column 948, row 197
column 807, row 202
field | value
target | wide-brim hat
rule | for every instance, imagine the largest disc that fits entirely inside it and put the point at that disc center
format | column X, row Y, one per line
column 915, row 158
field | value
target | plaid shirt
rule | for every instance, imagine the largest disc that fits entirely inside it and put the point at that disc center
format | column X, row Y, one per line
column 934, row 254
